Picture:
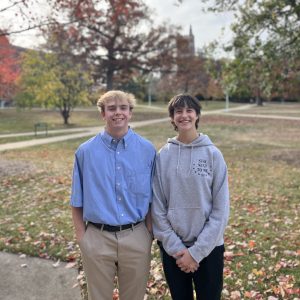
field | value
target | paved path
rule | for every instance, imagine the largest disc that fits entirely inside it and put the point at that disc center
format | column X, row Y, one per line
column 87, row 131
column 262, row 116
column 31, row 278
column 83, row 132
column 90, row 131
column 32, row 133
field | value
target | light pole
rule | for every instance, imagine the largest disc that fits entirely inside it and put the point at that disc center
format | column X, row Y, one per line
column 150, row 77
column 227, row 100
column 229, row 87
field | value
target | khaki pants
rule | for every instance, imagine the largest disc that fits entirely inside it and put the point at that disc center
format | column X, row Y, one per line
column 126, row 253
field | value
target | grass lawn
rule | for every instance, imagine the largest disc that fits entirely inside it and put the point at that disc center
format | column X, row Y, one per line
column 12, row 120
column 290, row 109
column 262, row 238
column 40, row 135
column 22, row 120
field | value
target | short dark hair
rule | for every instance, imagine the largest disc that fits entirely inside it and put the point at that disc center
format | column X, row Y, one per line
column 184, row 100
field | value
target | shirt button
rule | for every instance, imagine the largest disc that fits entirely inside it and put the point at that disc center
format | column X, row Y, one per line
column 122, row 215
column 118, row 168
column 120, row 198
column 118, row 152
column 118, row 183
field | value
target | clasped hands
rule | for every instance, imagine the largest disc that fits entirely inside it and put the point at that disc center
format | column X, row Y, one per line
column 185, row 261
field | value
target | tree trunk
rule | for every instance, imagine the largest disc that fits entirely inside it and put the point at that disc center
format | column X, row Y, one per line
column 186, row 86
column 110, row 79
column 66, row 115
column 258, row 99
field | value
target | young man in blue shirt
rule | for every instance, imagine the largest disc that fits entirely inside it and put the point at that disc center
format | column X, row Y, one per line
column 111, row 193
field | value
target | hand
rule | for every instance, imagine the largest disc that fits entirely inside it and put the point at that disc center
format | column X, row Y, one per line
column 148, row 222
column 149, row 228
column 185, row 261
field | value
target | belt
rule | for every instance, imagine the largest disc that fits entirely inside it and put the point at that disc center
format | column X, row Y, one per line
column 111, row 228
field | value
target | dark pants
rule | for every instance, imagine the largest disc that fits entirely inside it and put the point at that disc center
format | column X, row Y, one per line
column 208, row 279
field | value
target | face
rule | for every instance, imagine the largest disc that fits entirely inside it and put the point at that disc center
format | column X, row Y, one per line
column 185, row 118
column 116, row 114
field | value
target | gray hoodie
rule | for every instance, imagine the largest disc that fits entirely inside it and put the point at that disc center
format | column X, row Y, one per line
column 190, row 207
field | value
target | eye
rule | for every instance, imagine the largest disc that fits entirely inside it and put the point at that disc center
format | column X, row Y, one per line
column 111, row 108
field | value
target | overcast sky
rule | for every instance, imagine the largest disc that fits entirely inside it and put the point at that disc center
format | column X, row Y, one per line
column 206, row 26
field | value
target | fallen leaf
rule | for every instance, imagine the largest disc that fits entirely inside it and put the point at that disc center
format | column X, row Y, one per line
column 55, row 265
column 71, row 265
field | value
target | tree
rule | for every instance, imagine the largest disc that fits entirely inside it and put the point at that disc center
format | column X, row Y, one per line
column 52, row 80
column 266, row 43
column 267, row 38
column 9, row 68
column 19, row 16
column 118, row 37
column 137, row 85
column 188, row 74
column 191, row 76
column 23, row 11
column 214, row 90
column 249, row 74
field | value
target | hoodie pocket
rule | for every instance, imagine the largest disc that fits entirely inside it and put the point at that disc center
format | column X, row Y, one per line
column 187, row 223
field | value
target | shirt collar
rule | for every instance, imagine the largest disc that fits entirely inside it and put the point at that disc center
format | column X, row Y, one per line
column 109, row 140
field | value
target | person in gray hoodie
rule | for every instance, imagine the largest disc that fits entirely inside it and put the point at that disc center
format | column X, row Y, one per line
column 190, row 207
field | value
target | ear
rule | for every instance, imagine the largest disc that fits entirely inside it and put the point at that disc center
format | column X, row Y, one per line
column 130, row 114
column 102, row 114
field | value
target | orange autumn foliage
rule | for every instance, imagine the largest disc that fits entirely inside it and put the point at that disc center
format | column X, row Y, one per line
column 9, row 68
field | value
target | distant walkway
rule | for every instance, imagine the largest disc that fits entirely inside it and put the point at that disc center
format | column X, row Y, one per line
column 76, row 133
column 57, row 131
column 88, row 131
column 262, row 116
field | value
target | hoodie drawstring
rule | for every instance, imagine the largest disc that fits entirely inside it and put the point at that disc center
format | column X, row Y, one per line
column 178, row 159
column 191, row 160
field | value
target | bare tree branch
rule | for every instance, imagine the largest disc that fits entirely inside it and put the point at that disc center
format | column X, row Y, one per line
column 12, row 5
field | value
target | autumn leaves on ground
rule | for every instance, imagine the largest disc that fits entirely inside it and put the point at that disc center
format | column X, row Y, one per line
column 262, row 238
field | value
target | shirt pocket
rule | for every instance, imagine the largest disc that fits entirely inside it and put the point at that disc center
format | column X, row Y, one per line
column 140, row 182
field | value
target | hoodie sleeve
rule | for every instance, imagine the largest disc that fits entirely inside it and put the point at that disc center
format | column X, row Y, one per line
column 214, row 228
column 162, row 228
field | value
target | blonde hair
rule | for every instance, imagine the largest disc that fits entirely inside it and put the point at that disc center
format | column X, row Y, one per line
column 120, row 95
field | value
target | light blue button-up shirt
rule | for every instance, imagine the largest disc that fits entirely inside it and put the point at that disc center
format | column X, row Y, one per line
column 112, row 179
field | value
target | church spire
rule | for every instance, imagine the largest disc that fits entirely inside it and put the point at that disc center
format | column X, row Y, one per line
column 191, row 31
